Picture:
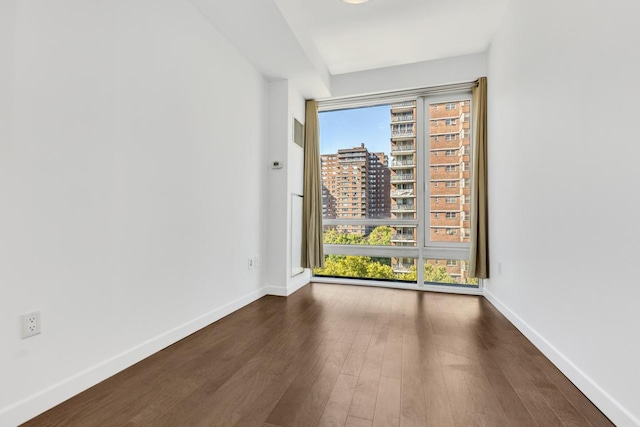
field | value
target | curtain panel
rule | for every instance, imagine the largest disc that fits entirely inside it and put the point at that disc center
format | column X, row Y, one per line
column 479, row 256
column 312, row 239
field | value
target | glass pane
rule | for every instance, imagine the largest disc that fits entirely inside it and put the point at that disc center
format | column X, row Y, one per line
column 372, row 179
column 356, row 179
column 448, row 271
column 365, row 267
column 449, row 174
column 381, row 235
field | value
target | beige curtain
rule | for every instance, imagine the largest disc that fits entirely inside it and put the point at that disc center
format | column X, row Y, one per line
column 479, row 259
column 312, row 252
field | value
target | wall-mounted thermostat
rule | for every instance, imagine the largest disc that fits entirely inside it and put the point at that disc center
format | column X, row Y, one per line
column 276, row 164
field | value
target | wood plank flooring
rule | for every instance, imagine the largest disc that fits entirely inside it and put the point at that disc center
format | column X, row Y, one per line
column 334, row 355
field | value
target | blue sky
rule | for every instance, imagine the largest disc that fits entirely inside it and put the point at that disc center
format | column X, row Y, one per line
column 350, row 128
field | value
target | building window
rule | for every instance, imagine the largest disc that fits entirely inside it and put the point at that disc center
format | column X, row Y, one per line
column 450, row 153
column 451, row 200
column 450, row 168
column 451, row 231
column 452, row 184
column 450, row 106
column 450, row 137
column 452, row 215
column 450, row 122
column 452, row 263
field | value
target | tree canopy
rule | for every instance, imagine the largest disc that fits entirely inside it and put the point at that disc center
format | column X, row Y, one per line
column 376, row 268
column 356, row 266
column 380, row 236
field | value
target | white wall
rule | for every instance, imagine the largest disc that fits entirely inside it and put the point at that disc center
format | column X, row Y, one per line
column 277, row 232
column 132, row 188
column 285, row 103
column 563, row 153
column 417, row 75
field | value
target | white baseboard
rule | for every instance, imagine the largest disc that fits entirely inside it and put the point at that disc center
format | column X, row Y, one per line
column 398, row 285
column 295, row 283
column 617, row 413
column 55, row 394
column 279, row 291
column 299, row 281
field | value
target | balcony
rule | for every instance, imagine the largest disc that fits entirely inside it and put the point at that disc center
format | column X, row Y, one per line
column 403, row 105
column 403, row 238
column 400, row 268
column 403, row 208
column 408, row 148
column 400, row 163
column 402, row 133
column 402, row 118
column 402, row 193
column 402, row 178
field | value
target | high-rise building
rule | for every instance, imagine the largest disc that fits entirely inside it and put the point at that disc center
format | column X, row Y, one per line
column 450, row 192
column 355, row 184
column 449, row 178
column 403, row 178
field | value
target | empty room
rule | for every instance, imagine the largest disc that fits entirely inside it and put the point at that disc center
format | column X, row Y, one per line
column 300, row 212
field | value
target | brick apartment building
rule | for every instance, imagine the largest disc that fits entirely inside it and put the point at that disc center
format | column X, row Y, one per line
column 355, row 184
column 403, row 178
column 449, row 191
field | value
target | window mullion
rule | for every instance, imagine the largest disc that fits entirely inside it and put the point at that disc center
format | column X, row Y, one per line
column 422, row 193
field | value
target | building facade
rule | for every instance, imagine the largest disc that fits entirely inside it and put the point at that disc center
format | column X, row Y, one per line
column 403, row 178
column 355, row 184
column 449, row 153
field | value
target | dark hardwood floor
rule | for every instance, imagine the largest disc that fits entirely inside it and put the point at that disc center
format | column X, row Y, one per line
column 335, row 355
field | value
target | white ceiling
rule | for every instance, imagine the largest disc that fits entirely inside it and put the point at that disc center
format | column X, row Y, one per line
column 308, row 41
column 384, row 33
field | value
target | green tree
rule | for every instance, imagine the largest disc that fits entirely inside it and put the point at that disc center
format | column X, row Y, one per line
column 437, row 273
column 355, row 266
column 380, row 236
column 471, row 281
column 373, row 267
column 432, row 273
column 333, row 236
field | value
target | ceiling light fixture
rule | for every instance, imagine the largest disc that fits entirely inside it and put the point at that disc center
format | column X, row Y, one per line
column 355, row 1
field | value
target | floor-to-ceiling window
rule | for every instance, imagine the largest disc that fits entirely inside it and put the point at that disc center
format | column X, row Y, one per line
column 396, row 189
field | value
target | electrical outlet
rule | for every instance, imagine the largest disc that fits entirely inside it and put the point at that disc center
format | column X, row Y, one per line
column 30, row 324
column 250, row 263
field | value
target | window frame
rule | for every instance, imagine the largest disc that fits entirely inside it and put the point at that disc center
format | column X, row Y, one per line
column 425, row 249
